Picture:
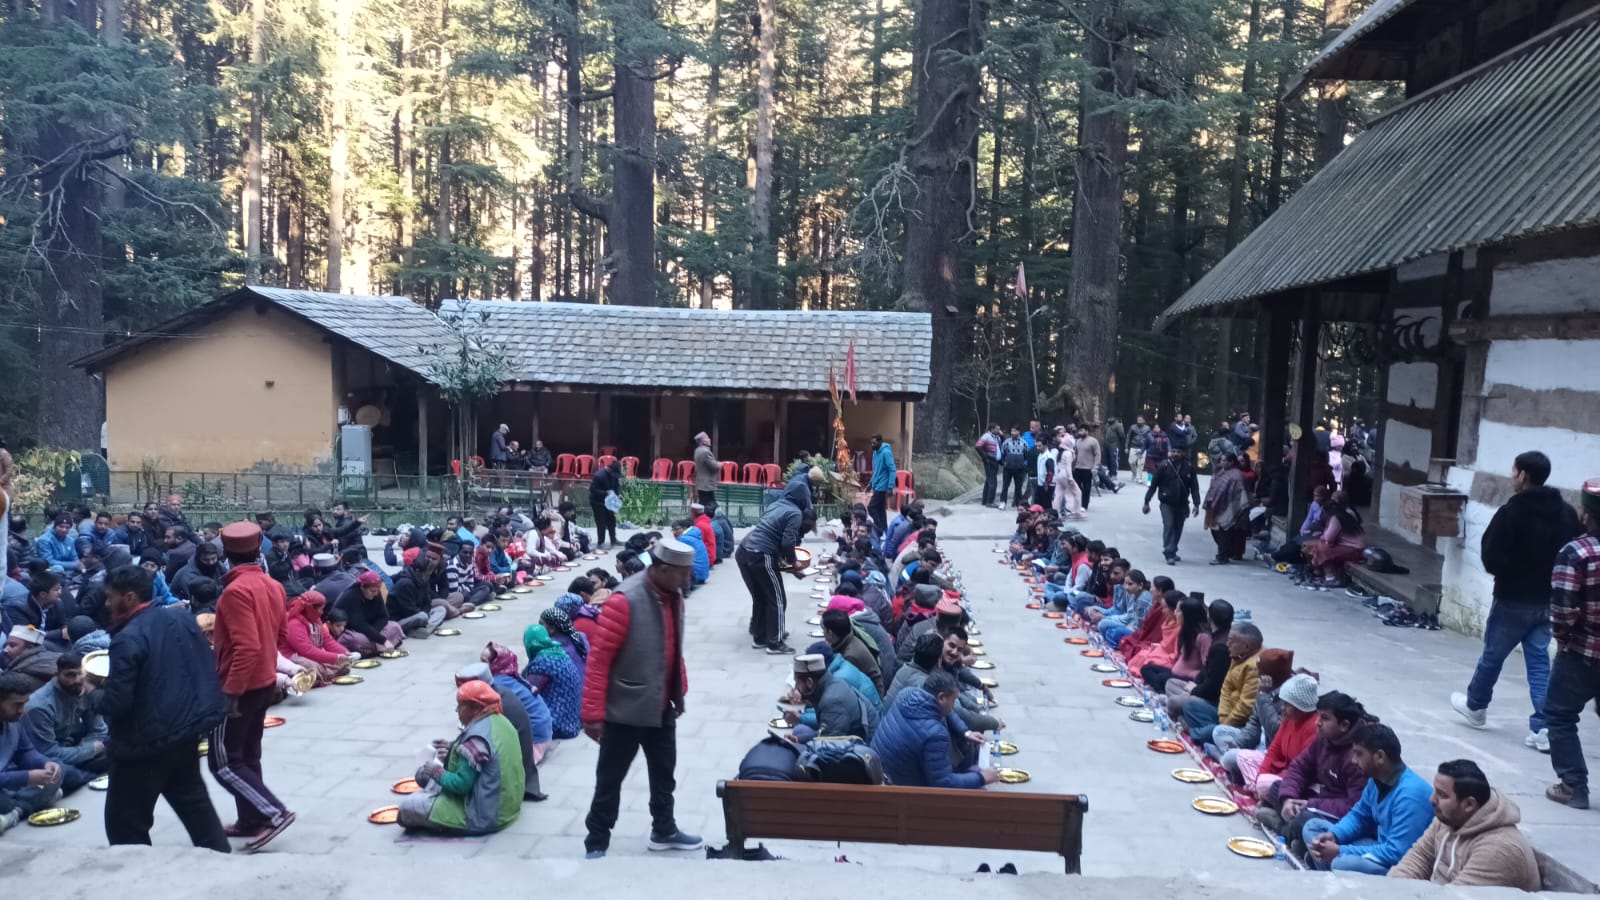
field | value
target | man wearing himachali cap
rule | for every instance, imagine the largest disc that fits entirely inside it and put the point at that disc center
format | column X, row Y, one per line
column 1575, row 676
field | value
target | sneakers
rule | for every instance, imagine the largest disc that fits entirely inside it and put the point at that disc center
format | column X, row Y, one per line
column 1538, row 740
column 1477, row 718
column 10, row 820
column 1567, row 795
column 780, row 649
column 265, row 837
column 678, row 840
column 595, row 854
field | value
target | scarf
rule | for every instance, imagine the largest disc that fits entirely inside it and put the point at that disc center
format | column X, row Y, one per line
column 559, row 622
column 536, row 640
column 1225, row 499
column 502, row 660
column 483, row 695
column 573, row 606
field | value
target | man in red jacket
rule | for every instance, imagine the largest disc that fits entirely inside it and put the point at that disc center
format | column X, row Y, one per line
column 633, row 695
column 249, row 620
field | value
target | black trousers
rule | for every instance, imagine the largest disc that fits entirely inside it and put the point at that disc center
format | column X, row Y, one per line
column 768, row 599
column 174, row 773
column 707, row 499
column 991, row 475
column 235, row 761
column 878, row 509
column 618, row 747
column 1016, row 481
column 605, row 522
column 1085, row 480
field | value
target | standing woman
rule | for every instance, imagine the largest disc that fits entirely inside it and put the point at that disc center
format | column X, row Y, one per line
column 1066, row 502
column 607, row 481
column 1227, row 505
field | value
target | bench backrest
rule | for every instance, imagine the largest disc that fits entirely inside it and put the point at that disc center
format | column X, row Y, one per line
column 880, row 814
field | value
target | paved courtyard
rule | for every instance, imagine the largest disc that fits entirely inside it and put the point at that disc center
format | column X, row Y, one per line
column 341, row 748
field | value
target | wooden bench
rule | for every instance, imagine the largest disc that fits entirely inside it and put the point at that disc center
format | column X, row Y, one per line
column 925, row 817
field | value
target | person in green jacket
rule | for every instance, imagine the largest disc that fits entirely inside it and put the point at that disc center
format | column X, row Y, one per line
column 477, row 789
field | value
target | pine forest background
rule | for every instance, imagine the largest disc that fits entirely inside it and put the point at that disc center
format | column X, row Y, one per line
column 766, row 154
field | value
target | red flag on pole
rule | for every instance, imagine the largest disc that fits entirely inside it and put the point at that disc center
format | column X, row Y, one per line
column 1022, row 282
column 850, row 372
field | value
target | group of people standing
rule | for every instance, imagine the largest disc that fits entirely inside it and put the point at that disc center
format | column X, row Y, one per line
column 1059, row 469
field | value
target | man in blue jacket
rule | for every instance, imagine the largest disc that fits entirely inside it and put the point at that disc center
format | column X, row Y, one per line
column 916, row 735
column 1394, row 810
column 882, row 484
column 684, row 530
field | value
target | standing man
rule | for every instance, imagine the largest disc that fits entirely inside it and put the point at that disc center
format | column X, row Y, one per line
column 1088, row 460
column 1575, row 678
column 1115, row 435
column 1177, row 489
column 160, row 698
column 1519, row 549
column 499, row 451
column 765, row 553
column 1180, row 435
column 1014, row 466
column 250, row 616
column 882, row 483
column 633, row 695
column 707, row 470
column 1136, row 436
column 988, row 447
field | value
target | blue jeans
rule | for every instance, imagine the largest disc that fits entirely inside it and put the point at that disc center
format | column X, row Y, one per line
column 1576, row 681
column 1358, row 864
column 1201, row 717
column 1510, row 624
column 1114, row 632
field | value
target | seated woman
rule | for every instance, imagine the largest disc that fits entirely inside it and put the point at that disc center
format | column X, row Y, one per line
column 477, row 787
column 306, row 640
column 369, row 630
column 502, row 662
column 577, row 603
column 559, row 625
column 1161, row 647
column 1194, row 643
column 1343, row 542
column 554, row 678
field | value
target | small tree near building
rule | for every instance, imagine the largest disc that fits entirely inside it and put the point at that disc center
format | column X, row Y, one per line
column 467, row 369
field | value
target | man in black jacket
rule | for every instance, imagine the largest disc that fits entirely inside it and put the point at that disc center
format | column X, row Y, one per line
column 1176, row 488
column 1519, row 549
column 410, row 603
column 161, row 696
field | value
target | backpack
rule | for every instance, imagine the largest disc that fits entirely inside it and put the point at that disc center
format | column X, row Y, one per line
column 1171, row 491
column 841, row 760
column 774, row 759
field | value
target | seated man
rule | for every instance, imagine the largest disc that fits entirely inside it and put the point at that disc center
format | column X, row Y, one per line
column 571, row 534
column 1394, row 810
column 26, row 656
column 1474, row 838
column 1237, row 699
column 64, row 726
column 840, row 710
column 476, row 785
column 684, row 530
column 915, row 739
column 839, row 668
column 28, row 781
column 410, row 604
column 1323, row 781
column 841, row 635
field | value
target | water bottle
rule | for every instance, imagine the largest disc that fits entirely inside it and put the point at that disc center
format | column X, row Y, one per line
column 1283, row 849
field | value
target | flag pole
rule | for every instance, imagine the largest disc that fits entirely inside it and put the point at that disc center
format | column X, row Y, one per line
column 1027, row 320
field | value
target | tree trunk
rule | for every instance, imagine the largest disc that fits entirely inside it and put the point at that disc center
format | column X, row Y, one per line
column 876, row 103
column 405, row 151
column 949, row 37
column 764, row 258
column 708, row 185
column 569, row 285
column 338, row 140
column 1280, row 111
column 1333, row 100
column 1087, row 345
column 1234, row 232
column 253, row 145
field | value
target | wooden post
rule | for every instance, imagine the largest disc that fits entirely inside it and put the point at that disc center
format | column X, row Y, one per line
column 1275, row 385
column 594, row 431
column 716, row 423
column 534, row 421
column 655, row 430
column 777, row 430
column 422, row 439
column 1306, row 447
column 905, row 435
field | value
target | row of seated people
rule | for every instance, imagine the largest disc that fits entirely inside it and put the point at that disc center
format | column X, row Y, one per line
column 1328, row 776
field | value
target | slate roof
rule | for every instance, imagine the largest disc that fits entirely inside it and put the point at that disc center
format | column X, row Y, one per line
column 391, row 327
column 737, row 351
column 1512, row 152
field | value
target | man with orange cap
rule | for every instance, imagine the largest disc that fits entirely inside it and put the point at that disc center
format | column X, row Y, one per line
column 250, row 616
column 475, row 787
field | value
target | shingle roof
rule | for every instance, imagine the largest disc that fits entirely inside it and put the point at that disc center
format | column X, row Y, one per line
column 1512, row 152
column 712, row 350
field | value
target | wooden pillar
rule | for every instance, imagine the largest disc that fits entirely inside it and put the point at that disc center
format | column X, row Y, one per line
column 777, row 430
column 422, row 438
column 534, row 421
column 1306, row 447
column 905, row 435
column 594, row 430
column 1275, row 384
column 655, row 433
column 716, row 424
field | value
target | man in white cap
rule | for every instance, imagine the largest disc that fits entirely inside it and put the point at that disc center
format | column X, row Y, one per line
column 26, row 655
column 499, row 451
column 633, row 695
column 707, row 470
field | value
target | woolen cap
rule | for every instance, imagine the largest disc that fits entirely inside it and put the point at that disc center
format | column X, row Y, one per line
column 27, row 633
column 673, row 553
column 1300, row 692
column 324, row 560
column 810, row 664
column 702, row 436
column 240, row 538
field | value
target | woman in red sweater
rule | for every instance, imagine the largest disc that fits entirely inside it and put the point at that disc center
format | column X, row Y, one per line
column 306, row 641
column 1260, row 770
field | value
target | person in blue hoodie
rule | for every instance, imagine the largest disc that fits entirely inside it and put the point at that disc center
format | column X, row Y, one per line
column 919, row 734
column 684, row 530
column 58, row 547
column 1394, row 810
column 883, row 481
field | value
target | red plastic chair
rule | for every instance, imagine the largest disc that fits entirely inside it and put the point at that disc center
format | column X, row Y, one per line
column 585, row 466
column 608, row 451
column 629, row 465
column 455, row 467
column 605, row 461
column 564, row 467
column 730, row 473
column 686, row 471
column 904, row 487
column 661, row 470
column 773, row 473
column 752, row 473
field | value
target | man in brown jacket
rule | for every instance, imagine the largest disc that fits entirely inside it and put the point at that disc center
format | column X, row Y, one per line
column 1474, row 838
column 707, row 470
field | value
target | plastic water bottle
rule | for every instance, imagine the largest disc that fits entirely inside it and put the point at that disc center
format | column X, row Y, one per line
column 1283, row 849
